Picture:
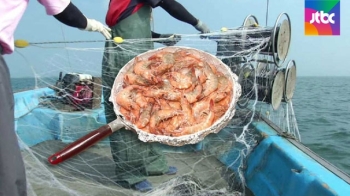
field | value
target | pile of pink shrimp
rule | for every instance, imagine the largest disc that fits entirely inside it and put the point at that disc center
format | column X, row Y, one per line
column 174, row 93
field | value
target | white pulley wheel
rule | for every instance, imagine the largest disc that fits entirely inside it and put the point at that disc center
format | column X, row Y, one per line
column 290, row 80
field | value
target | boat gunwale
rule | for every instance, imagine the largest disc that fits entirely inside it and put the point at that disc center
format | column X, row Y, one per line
column 332, row 168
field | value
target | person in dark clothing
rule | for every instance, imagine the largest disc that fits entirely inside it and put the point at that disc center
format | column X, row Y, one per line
column 12, row 172
column 131, row 19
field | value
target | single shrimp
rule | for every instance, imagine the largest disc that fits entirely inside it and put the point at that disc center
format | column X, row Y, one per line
column 191, row 73
column 162, row 56
column 224, row 89
column 142, row 68
column 202, row 105
column 222, row 106
column 218, row 96
column 180, row 81
column 219, row 111
column 135, row 113
column 134, row 79
column 131, row 116
column 207, row 122
column 163, row 126
column 180, row 54
column 172, row 124
column 200, row 75
column 194, row 95
column 125, row 97
column 172, row 95
column 159, row 116
column 184, row 59
column 145, row 116
column 161, row 93
column 141, row 100
column 187, row 111
column 153, row 92
column 199, row 107
column 211, row 83
column 224, row 84
column 226, row 101
column 162, row 62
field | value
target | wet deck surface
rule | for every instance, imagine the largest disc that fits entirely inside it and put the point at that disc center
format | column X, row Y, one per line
column 92, row 173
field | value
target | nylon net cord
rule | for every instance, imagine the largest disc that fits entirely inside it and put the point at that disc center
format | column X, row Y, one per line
column 214, row 166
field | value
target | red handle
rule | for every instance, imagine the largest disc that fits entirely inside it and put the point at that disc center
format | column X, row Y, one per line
column 80, row 145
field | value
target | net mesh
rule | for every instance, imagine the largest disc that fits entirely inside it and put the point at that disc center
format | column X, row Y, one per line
column 50, row 120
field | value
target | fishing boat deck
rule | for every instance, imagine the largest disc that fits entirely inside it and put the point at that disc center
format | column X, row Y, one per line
column 95, row 177
column 277, row 164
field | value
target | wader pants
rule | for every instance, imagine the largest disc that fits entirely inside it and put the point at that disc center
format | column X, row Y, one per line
column 133, row 158
column 12, row 172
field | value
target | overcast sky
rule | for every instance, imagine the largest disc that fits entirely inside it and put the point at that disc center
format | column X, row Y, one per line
column 314, row 55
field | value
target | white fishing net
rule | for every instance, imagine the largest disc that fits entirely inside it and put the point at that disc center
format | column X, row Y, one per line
column 48, row 119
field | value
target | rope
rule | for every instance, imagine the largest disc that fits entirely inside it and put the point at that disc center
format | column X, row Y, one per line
column 21, row 43
column 65, row 42
column 90, row 41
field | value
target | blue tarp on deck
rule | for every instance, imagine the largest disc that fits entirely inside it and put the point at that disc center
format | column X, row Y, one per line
column 35, row 123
